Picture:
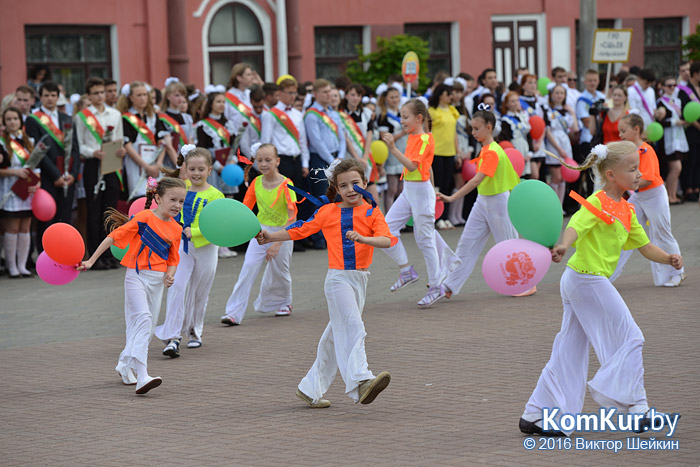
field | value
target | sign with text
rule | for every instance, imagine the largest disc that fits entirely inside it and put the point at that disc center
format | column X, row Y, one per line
column 611, row 45
column 410, row 67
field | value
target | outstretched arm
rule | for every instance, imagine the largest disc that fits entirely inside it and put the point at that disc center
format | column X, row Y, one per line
column 104, row 246
column 268, row 237
column 657, row 255
column 465, row 190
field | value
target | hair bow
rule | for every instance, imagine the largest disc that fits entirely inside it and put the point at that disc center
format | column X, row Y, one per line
column 74, row 98
column 381, row 89
column 365, row 99
column 126, row 90
column 209, row 89
column 396, row 85
column 220, row 88
column 195, row 95
column 151, row 184
column 601, row 151
column 449, row 81
column 186, row 149
column 254, row 148
column 329, row 170
column 170, row 80
column 484, row 107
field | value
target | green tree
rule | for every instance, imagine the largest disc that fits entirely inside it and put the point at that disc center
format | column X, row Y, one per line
column 386, row 60
column 691, row 45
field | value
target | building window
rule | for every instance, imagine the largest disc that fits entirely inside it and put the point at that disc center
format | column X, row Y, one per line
column 72, row 53
column 334, row 48
column 662, row 45
column 437, row 35
column 234, row 36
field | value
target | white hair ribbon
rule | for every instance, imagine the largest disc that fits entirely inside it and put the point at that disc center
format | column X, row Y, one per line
column 396, row 85
column 484, row 107
column 461, row 81
column 449, row 81
column 329, row 170
column 126, row 90
column 220, row 88
column 254, row 148
column 381, row 89
column 186, row 149
column 209, row 89
column 170, row 80
column 601, row 151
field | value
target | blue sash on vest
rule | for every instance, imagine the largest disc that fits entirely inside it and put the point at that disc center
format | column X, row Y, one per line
column 586, row 100
column 150, row 239
column 188, row 214
column 324, row 200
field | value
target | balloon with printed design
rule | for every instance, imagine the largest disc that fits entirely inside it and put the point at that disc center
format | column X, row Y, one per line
column 515, row 266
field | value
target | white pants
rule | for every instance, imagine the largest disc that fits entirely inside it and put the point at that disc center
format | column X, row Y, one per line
column 652, row 205
column 489, row 215
column 143, row 293
column 276, row 286
column 418, row 200
column 594, row 314
column 342, row 345
column 189, row 294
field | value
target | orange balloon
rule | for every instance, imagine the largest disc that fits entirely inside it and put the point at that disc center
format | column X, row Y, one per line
column 63, row 244
column 536, row 127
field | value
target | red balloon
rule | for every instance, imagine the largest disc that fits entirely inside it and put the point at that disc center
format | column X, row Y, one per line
column 43, row 205
column 570, row 175
column 468, row 170
column 505, row 144
column 517, row 160
column 139, row 205
column 63, row 244
column 536, row 127
column 439, row 208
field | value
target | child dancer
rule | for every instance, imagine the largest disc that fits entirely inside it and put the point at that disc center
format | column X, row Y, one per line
column 494, row 179
column 650, row 202
column 594, row 312
column 15, row 148
column 352, row 229
column 418, row 200
column 157, row 232
column 187, row 299
column 276, row 210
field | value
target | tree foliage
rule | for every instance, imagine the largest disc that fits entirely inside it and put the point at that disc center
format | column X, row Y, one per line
column 386, row 60
column 691, row 45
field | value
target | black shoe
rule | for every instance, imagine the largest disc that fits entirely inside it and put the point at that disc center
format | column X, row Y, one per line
column 691, row 197
column 529, row 428
column 299, row 247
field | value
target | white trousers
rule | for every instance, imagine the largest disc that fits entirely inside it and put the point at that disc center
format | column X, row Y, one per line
column 276, row 286
column 188, row 296
column 489, row 215
column 417, row 200
column 143, row 293
column 652, row 205
column 594, row 314
column 342, row 345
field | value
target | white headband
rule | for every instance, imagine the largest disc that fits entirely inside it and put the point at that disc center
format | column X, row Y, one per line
column 170, row 80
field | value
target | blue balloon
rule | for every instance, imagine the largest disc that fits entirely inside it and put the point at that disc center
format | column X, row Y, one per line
column 232, row 175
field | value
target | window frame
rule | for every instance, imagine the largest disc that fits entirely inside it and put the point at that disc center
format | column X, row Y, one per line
column 664, row 48
column 339, row 61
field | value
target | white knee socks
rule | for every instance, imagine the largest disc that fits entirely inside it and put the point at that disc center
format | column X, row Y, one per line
column 10, row 245
column 23, row 242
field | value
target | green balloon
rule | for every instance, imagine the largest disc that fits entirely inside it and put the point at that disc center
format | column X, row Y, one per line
column 535, row 211
column 410, row 222
column 227, row 222
column 691, row 112
column 655, row 131
column 542, row 84
column 118, row 252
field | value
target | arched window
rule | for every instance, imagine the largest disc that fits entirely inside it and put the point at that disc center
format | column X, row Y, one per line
column 234, row 35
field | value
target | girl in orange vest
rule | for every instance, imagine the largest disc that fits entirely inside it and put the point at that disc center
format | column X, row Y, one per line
column 153, row 239
column 352, row 229
column 651, row 203
column 417, row 200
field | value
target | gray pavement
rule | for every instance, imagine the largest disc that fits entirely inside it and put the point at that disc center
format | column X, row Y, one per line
column 462, row 372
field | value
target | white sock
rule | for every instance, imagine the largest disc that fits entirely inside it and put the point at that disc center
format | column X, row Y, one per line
column 10, row 244
column 141, row 372
column 562, row 191
column 23, row 242
column 405, row 268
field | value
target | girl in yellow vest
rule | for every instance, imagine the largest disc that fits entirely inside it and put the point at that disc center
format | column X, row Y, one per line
column 494, row 179
column 417, row 200
column 276, row 210
column 594, row 312
column 187, row 298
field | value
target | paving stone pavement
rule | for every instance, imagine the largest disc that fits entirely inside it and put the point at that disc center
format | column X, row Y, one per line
column 461, row 374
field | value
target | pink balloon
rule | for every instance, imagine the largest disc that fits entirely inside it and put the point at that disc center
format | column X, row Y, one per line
column 43, row 205
column 139, row 205
column 505, row 144
column 536, row 127
column 517, row 159
column 515, row 266
column 53, row 273
column 468, row 170
column 439, row 208
column 570, row 175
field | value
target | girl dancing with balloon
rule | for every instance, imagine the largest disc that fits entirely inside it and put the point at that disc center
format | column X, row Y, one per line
column 352, row 229
column 594, row 312
column 153, row 239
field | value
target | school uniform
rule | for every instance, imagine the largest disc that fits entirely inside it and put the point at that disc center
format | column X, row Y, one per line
column 489, row 215
column 515, row 127
column 144, row 132
column 417, row 200
column 238, row 108
column 651, row 203
column 102, row 191
column 284, row 128
column 643, row 101
column 276, row 287
column 533, row 106
column 216, row 132
column 690, row 173
column 595, row 314
column 342, row 345
column 180, row 126
column 358, row 124
column 326, row 138
column 675, row 141
column 38, row 124
column 153, row 247
column 390, row 122
column 188, row 296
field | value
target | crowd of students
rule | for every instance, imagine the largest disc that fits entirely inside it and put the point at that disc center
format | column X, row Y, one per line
column 312, row 179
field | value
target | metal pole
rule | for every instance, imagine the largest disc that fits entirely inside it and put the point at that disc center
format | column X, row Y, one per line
column 586, row 25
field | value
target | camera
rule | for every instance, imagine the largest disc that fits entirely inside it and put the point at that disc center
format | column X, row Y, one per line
column 597, row 107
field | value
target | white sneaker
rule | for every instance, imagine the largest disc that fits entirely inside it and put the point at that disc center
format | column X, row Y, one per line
column 127, row 374
column 284, row 311
column 441, row 225
column 148, row 384
column 675, row 281
column 449, row 225
column 226, row 253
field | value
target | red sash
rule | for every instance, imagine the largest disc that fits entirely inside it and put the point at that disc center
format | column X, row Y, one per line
column 220, row 130
column 172, row 123
column 328, row 121
column 245, row 111
column 47, row 124
column 140, row 127
column 286, row 122
column 20, row 151
column 93, row 124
